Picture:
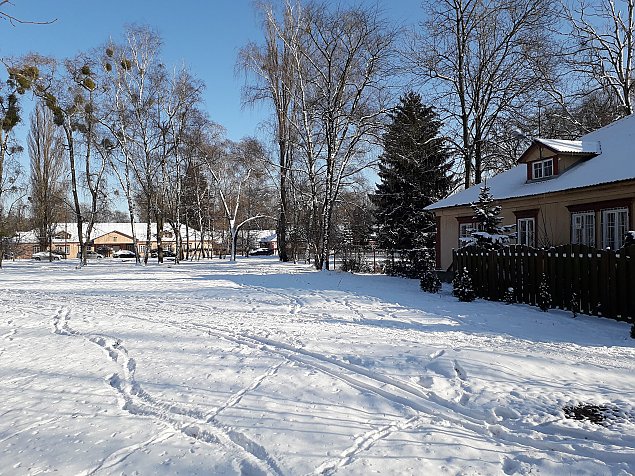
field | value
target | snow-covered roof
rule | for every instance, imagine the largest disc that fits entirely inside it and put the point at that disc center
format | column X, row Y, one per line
column 265, row 236
column 100, row 229
column 615, row 162
column 571, row 146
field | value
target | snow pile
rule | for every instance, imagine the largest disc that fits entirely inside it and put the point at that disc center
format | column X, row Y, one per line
column 258, row 367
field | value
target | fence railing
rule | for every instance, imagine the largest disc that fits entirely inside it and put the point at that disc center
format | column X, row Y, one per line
column 601, row 281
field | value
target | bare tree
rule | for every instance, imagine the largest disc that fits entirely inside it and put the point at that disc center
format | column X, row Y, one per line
column 13, row 20
column 602, row 49
column 46, row 152
column 485, row 60
column 341, row 62
column 137, row 81
column 68, row 90
column 272, row 64
column 233, row 166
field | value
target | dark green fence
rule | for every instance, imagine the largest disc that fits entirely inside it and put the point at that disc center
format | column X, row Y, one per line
column 603, row 281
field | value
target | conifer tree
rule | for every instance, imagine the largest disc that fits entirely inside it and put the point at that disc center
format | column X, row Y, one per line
column 486, row 213
column 415, row 171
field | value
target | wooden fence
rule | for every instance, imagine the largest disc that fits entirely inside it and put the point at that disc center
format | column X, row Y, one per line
column 603, row 280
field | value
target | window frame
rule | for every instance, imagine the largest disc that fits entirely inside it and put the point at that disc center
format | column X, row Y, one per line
column 520, row 233
column 466, row 229
column 541, row 165
column 586, row 233
column 617, row 240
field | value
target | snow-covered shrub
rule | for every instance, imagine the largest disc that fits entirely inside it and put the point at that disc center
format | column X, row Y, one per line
column 629, row 238
column 430, row 281
column 574, row 305
column 463, row 289
column 509, row 297
column 544, row 294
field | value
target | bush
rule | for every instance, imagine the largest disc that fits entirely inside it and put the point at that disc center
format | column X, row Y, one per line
column 509, row 297
column 575, row 304
column 544, row 294
column 463, row 289
column 430, row 282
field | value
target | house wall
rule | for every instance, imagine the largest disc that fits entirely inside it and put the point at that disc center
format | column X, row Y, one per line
column 553, row 218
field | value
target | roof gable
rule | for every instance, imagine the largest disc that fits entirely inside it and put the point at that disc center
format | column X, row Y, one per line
column 545, row 148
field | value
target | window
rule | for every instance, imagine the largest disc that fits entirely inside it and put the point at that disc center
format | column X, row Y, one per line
column 614, row 227
column 526, row 228
column 583, row 228
column 542, row 169
column 465, row 232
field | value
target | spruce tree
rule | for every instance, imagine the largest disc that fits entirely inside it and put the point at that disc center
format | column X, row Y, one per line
column 486, row 213
column 414, row 169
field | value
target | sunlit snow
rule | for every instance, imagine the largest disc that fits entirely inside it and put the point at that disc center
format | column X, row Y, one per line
column 258, row 367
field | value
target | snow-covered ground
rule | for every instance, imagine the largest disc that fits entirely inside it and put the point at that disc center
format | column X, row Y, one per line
column 258, row 367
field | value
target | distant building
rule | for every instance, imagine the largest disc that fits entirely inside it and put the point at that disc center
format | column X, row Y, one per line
column 106, row 238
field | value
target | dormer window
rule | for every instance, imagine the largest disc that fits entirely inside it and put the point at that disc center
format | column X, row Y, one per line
column 542, row 169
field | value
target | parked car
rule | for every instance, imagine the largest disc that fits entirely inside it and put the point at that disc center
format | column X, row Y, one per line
column 45, row 256
column 166, row 253
column 90, row 255
column 261, row 252
column 123, row 254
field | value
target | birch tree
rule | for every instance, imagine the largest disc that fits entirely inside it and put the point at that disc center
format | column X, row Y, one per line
column 342, row 69
column 137, row 79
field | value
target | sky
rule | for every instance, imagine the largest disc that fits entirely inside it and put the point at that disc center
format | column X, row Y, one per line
column 204, row 35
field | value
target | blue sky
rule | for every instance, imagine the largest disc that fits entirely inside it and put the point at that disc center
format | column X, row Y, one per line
column 205, row 35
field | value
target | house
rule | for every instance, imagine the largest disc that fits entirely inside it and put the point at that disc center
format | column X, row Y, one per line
column 561, row 192
column 107, row 238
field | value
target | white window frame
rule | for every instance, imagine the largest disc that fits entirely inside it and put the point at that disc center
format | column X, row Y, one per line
column 614, row 226
column 524, row 235
column 583, row 228
column 539, row 169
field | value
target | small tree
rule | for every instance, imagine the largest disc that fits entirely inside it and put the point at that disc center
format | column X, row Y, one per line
column 486, row 213
column 463, row 289
column 509, row 296
column 575, row 303
column 544, row 294
column 430, row 281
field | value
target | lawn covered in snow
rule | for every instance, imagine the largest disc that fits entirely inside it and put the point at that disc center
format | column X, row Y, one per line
column 258, row 367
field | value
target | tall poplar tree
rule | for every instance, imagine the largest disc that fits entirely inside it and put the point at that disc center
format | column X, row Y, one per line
column 415, row 171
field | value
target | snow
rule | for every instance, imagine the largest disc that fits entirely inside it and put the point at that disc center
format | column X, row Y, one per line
column 571, row 146
column 258, row 367
column 614, row 164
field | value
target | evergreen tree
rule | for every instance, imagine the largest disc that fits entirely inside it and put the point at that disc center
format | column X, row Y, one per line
column 486, row 213
column 415, row 171
column 462, row 286
column 544, row 294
